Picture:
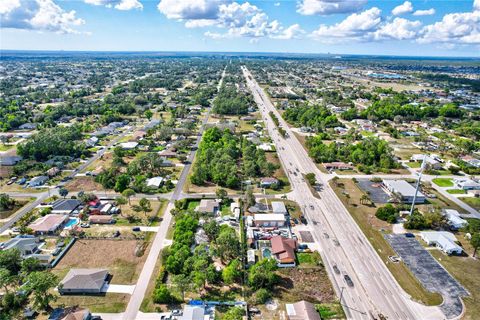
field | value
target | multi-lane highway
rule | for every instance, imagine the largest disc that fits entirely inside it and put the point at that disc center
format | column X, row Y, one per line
column 375, row 293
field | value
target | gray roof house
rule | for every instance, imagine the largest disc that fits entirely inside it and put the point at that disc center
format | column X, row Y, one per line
column 279, row 207
column 208, row 206
column 28, row 247
column 81, row 281
column 37, row 181
column 9, row 160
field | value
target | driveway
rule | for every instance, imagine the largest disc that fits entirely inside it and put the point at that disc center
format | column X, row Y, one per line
column 118, row 288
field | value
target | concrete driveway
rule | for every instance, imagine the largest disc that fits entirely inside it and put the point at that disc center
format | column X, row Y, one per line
column 118, row 288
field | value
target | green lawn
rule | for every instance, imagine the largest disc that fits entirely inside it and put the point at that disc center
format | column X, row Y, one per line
column 443, row 182
column 309, row 259
column 414, row 164
column 456, row 191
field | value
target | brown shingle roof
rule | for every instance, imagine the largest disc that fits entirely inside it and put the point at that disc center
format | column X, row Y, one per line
column 283, row 249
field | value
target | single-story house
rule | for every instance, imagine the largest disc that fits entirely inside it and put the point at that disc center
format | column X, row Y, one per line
column 269, row 220
column 70, row 313
column 168, row 153
column 28, row 126
column 283, row 249
column 258, row 207
column 101, row 219
column 28, row 247
column 279, row 207
column 430, row 160
column 267, row 147
column 235, row 209
column 92, row 141
column 9, row 160
column 454, row 219
column 155, row 182
column 52, row 172
column 302, row 310
column 404, row 190
column 337, row 166
column 128, row 145
column 193, row 313
column 466, row 184
column 83, row 281
column 208, row 206
column 37, row 181
column 49, row 224
column 268, row 182
column 443, row 240
column 65, row 206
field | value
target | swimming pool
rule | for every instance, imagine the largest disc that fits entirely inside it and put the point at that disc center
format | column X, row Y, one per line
column 71, row 222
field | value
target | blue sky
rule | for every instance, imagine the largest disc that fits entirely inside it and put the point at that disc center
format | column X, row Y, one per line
column 436, row 28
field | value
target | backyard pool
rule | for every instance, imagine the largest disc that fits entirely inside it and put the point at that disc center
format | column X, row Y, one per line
column 71, row 222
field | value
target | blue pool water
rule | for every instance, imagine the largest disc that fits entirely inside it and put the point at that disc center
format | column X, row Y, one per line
column 71, row 222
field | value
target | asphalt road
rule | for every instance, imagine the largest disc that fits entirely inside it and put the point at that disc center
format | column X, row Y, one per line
column 375, row 291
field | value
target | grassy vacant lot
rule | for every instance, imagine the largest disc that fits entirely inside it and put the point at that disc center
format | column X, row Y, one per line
column 158, row 207
column 370, row 225
column 109, row 302
column 118, row 256
column 472, row 202
column 309, row 259
column 464, row 270
column 443, row 182
column 86, row 184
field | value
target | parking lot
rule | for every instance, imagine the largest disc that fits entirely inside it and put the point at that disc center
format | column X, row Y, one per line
column 376, row 192
column 429, row 272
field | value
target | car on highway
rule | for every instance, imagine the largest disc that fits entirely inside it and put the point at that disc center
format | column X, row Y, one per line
column 348, row 280
column 326, row 235
column 335, row 241
column 303, row 220
column 312, row 207
column 335, row 269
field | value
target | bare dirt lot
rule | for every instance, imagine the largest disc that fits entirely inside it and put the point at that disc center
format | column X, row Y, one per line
column 86, row 184
column 118, row 256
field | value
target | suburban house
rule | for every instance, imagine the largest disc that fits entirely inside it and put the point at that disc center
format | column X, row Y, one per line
column 52, row 172
column 443, row 240
column 65, row 206
column 83, row 281
column 101, row 219
column 466, row 184
column 168, row 153
column 37, row 181
column 454, row 219
column 128, row 145
column 283, row 249
column 155, row 182
column 337, row 166
column 193, row 313
column 70, row 313
column 302, row 310
column 269, row 220
column 268, row 182
column 430, row 160
column 403, row 190
column 29, row 247
column 235, row 209
column 258, row 207
column 208, row 206
column 49, row 224
column 9, row 160
column 279, row 207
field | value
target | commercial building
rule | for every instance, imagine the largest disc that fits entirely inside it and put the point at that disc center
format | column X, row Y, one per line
column 269, row 220
column 403, row 190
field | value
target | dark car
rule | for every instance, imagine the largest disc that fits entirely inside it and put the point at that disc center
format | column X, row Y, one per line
column 116, row 234
column 348, row 280
column 136, row 229
column 335, row 268
column 304, row 221
column 409, row 235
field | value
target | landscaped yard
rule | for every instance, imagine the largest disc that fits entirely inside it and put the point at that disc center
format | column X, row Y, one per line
column 370, row 225
column 443, row 182
column 115, row 255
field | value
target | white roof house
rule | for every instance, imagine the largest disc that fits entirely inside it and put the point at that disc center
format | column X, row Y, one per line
column 454, row 218
column 234, row 205
column 154, row 182
column 404, row 190
column 443, row 240
column 269, row 219
column 466, row 184
column 428, row 160
column 128, row 145
column 279, row 207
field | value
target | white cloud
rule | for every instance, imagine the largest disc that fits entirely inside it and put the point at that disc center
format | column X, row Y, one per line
column 476, row 5
column 327, row 7
column 428, row 12
column 44, row 15
column 292, row 32
column 405, row 7
column 189, row 9
column 355, row 27
column 277, row 4
column 7, row 6
column 117, row 4
column 398, row 29
column 128, row 5
column 455, row 28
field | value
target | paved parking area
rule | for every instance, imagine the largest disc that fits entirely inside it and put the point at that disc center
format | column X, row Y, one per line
column 306, row 236
column 376, row 192
column 429, row 272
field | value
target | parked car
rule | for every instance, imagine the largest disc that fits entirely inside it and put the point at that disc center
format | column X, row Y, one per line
column 22, row 181
column 85, row 225
column 116, row 234
column 409, row 235
column 335, row 268
column 136, row 229
column 56, row 251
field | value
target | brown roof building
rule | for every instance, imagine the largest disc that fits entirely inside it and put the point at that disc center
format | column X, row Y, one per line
column 100, row 219
column 48, row 224
column 283, row 250
column 302, row 310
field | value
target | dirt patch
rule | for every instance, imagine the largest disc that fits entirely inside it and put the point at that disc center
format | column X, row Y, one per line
column 86, row 184
column 306, row 236
column 118, row 256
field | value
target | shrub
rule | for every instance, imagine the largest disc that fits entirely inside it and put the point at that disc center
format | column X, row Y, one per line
column 387, row 213
column 262, row 295
column 162, row 295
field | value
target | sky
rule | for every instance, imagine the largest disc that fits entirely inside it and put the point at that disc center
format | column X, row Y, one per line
column 385, row 27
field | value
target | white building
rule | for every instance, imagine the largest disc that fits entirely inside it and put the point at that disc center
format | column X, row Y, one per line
column 279, row 207
column 154, row 182
column 128, row 145
column 466, row 184
column 404, row 190
column 454, row 219
column 443, row 240
column 269, row 219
